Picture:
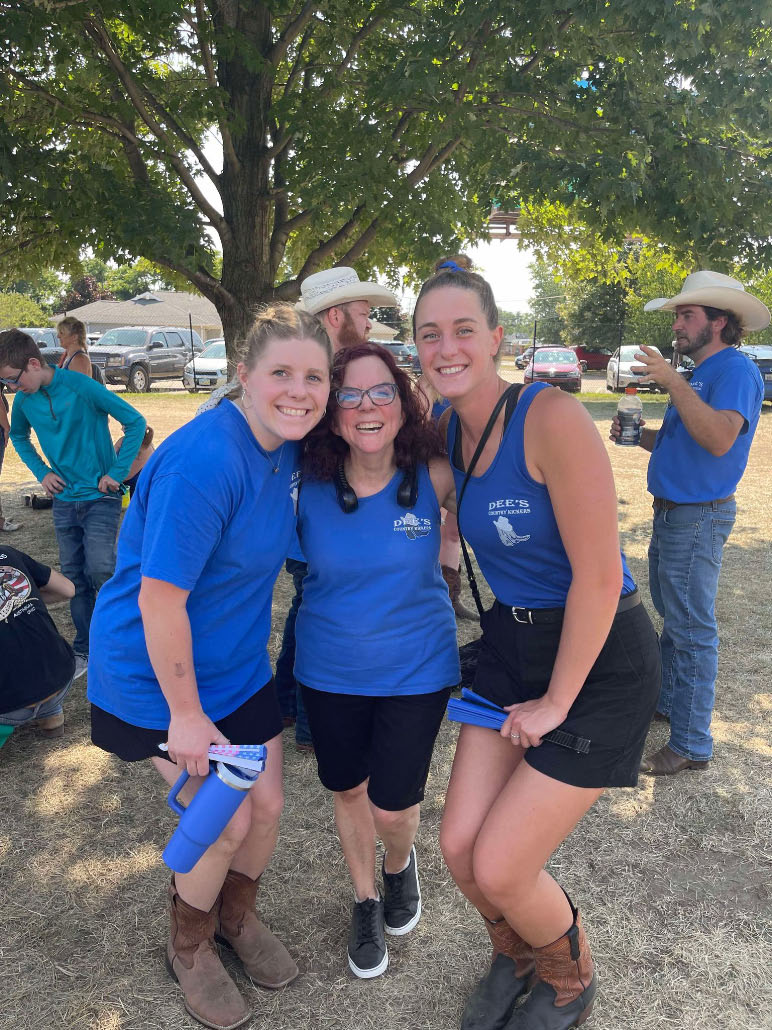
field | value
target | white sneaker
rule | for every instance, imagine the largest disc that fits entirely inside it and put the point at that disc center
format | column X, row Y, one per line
column 81, row 665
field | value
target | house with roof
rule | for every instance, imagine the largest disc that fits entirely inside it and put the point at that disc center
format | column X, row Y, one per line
column 156, row 308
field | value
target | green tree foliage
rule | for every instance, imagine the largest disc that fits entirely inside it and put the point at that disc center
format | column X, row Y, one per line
column 546, row 304
column 372, row 132
column 516, row 322
column 19, row 310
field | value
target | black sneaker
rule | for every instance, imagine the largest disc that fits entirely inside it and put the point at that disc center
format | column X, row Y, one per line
column 401, row 898
column 367, row 954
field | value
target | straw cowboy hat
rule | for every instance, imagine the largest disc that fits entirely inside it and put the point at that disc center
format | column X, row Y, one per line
column 714, row 290
column 334, row 286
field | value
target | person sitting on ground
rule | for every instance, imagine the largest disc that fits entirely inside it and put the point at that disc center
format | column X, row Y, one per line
column 38, row 664
column 72, row 336
column 375, row 635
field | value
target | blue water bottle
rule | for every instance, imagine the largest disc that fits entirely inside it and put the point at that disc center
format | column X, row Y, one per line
column 207, row 815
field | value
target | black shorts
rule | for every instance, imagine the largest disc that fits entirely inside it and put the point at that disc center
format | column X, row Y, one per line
column 388, row 739
column 254, row 722
column 613, row 709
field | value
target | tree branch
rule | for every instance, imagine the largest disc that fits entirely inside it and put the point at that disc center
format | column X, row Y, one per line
column 537, row 58
column 97, row 32
column 211, row 77
column 278, row 51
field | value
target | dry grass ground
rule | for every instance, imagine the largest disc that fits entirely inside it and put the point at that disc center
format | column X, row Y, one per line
column 673, row 876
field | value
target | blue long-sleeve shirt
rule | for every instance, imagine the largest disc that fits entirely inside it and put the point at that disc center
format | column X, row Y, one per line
column 69, row 417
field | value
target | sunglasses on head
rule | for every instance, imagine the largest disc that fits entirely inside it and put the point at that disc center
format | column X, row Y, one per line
column 15, row 381
column 351, row 397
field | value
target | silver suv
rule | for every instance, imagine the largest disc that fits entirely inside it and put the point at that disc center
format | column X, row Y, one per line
column 137, row 356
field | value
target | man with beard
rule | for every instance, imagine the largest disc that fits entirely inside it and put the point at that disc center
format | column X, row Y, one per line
column 698, row 456
column 342, row 303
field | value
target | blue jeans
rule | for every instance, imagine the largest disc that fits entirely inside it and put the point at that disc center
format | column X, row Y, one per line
column 685, row 554
column 51, row 706
column 287, row 689
column 86, row 532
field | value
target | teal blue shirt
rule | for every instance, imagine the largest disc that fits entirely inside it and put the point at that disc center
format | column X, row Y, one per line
column 69, row 417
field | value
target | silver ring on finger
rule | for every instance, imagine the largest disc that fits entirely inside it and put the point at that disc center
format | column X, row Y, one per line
column 515, row 736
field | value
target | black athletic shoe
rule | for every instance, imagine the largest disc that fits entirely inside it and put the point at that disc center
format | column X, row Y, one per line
column 401, row 898
column 367, row 954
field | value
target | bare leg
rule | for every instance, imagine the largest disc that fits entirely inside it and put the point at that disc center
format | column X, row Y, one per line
column 483, row 764
column 267, row 799
column 532, row 815
column 356, row 832
column 397, row 830
column 248, row 839
column 450, row 544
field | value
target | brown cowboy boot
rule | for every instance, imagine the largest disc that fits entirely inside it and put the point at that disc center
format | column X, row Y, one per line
column 453, row 578
column 264, row 957
column 566, row 984
column 211, row 996
column 491, row 1003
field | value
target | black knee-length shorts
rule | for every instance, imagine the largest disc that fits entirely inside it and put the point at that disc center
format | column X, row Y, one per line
column 613, row 709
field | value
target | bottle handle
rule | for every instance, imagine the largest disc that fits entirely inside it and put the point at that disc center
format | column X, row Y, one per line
column 172, row 795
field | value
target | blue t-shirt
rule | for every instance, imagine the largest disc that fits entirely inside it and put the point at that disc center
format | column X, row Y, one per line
column 507, row 517
column 680, row 469
column 209, row 516
column 376, row 618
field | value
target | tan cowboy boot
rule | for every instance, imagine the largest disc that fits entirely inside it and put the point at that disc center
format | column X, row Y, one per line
column 211, row 996
column 264, row 957
column 566, row 984
column 453, row 579
column 491, row 1003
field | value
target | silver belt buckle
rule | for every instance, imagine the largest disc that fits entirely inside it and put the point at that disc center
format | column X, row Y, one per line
column 517, row 612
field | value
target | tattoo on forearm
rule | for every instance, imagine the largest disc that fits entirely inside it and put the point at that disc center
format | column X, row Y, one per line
column 179, row 669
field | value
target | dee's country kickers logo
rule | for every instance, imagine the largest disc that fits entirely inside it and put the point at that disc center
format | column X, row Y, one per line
column 412, row 526
column 501, row 511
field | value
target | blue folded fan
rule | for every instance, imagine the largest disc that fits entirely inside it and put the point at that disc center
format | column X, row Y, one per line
column 479, row 711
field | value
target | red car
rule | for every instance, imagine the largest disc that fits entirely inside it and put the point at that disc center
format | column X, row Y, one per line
column 556, row 366
column 594, row 360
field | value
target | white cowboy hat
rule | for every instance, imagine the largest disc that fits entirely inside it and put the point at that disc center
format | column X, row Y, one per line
column 333, row 286
column 714, row 290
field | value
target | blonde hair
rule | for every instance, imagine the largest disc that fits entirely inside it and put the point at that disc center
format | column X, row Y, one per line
column 273, row 322
column 75, row 327
column 282, row 322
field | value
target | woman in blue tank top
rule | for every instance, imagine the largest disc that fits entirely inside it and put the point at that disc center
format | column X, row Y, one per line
column 567, row 645
column 375, row 634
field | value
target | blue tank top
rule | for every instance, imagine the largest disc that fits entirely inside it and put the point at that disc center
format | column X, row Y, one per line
column 438, row 407
column 376, row 618
column 507, row 518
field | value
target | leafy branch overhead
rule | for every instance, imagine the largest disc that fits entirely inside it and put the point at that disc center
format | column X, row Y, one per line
column 293, row 135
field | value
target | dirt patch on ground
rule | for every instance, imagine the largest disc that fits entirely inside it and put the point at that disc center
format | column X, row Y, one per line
column 673, row 877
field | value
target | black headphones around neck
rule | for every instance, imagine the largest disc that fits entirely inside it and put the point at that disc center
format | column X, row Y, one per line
column 407, row 491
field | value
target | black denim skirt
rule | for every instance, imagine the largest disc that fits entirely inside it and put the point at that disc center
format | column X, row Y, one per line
column 613, row 709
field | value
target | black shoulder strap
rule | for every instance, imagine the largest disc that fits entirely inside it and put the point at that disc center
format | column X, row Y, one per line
column 509, row 397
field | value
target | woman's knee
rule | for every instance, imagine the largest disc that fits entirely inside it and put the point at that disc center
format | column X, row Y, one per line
column 457, row 847
column 353, row 796
column 500, row 879
column 388, row 823
column 234, row 834
column 266, row 808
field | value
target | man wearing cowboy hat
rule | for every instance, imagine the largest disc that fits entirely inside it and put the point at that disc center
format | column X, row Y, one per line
column 342, row 304
column 698, row 456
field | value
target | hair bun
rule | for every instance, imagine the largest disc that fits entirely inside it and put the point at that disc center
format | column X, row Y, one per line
column 455, row 263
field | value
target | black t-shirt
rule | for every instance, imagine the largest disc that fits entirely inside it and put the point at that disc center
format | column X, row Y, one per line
column 35, row 660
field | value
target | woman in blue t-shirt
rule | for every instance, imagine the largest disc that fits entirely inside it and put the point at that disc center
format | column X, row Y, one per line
column 376, row 639
column 567, row 645
column 178, row 638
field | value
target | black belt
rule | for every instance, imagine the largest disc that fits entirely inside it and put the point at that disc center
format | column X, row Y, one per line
column 543, row 616
column 662, row 504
